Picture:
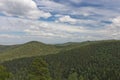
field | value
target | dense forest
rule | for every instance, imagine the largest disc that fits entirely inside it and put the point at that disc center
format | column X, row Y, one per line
column 96, row 60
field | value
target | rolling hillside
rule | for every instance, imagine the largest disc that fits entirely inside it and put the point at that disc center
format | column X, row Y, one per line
column 98, row 60
column 27, row 50
column 35, row 48
column 6, row 47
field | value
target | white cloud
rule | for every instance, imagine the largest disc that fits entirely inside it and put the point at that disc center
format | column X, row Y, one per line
column 53, row 30
column 22, row 30
column 43, row 29
column 113, row 30
column 116, row 20
column 39, row 27
column 62, row 8
column 7, row 36
column 22, row 8
column 89, row 25
column 70, row 20
column 51, row 6
column 67, row 19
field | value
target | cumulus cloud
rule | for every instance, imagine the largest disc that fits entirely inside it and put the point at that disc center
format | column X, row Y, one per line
column 40, row 27
column 50, row 32
column 70, row 20
column 22, row 8
column 81, row 10
column 38, row 30
column 7, row 36
column 113, row 30
column 84, row 21
column 51, row 6
column 67, row 19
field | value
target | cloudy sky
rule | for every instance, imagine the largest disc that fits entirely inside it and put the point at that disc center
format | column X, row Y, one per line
column 58, row 21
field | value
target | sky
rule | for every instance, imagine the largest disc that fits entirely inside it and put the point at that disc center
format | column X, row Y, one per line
column 58, row 21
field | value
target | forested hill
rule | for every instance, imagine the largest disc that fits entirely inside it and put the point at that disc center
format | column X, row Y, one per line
column 29, row 49
column 35, row 48
column 96, row 61
column 99, row 60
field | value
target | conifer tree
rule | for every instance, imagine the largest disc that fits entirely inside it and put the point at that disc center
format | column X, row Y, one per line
column 4, row 74
column 39, row 70
column 73, row 76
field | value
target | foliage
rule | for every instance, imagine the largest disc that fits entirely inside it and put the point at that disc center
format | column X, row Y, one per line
column 39, row 70
column 81, row 77
column 35, row 48
column 73, row 76
column 4, row 74
column 98, row 60
column 27, row 50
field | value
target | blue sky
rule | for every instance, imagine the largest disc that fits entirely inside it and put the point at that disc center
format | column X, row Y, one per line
column 58, row 21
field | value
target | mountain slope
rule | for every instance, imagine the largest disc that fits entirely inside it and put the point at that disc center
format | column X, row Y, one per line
column 27, row 50
column 100, row 59
column 35, row 48
column 95, row 61
column 6, row 47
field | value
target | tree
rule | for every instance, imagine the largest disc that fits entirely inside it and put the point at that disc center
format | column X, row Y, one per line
column 73, row 76
column 4, row 74
column 22, row 74
column 39, row 70
column 95, row 78
column 81, row 78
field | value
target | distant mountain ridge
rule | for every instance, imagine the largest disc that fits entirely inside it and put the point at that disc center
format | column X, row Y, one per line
column 29, row 49
column 35, row 48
